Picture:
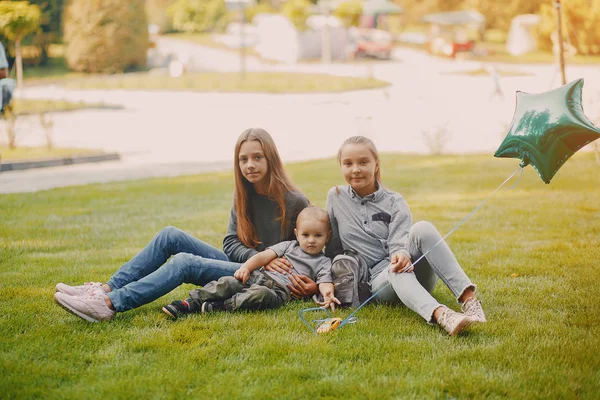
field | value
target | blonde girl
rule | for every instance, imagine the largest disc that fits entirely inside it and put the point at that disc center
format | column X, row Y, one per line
column 376, row 222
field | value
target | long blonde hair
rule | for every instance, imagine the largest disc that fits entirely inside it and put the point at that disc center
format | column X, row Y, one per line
column 278, row 185
column 365, row 142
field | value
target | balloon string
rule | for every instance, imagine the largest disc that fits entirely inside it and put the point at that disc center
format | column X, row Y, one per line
column 345, row 321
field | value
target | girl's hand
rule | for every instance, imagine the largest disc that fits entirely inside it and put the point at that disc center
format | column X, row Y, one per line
column 242, row 274
column 302, row 286
column 329, row 302
column 401, row 263
column 281, row 265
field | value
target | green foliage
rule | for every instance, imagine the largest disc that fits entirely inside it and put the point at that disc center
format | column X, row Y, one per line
column 51, row 30
column 105, row 36
column 537, row 275
column 264, row 7
column 297, row 11
column 199, row 15
column 157, row 11
column 19, row 19
column 499, row 14
column 349, row 12
column 581, row 25
column 52, row 11
column 414, row 10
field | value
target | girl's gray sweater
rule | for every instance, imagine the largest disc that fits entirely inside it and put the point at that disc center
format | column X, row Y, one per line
column 264, row 216
column 376, row 226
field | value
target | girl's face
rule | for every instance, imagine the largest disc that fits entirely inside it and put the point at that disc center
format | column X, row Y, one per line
column 359, row 168
column 253, row 164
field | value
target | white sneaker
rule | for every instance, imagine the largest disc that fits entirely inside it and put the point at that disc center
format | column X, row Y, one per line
column 473, row 309
column 92, row 308
column 453, row 322
column 88, row 288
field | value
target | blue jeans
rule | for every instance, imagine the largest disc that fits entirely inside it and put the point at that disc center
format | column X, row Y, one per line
column 144, row 278
column 413, row 288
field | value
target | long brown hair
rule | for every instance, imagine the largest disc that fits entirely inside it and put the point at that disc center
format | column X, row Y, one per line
column 278, row 184
column 365, row 142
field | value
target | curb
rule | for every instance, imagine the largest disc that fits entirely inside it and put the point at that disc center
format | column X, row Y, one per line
column 56, row 162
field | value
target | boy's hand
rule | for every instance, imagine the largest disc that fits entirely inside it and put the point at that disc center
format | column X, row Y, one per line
column 401, row 263
column 329, row 302
column 281, row 265
column 242, row 274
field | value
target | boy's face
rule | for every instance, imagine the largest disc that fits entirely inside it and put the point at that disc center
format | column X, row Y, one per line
column 312, row 234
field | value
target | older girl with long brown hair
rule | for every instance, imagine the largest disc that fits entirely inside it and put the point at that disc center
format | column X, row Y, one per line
column 266, row 204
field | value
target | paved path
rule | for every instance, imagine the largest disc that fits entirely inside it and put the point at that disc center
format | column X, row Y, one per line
column 167, row 130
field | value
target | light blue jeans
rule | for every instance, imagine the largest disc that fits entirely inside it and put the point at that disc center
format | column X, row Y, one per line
column 144, row 278
column 413, row 288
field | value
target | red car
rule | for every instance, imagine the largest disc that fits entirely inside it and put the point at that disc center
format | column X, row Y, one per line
column 373, row 43
column 449, row 48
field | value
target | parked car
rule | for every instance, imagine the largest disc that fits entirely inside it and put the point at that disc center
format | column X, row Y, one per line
column 450, row 47
column 373, row 43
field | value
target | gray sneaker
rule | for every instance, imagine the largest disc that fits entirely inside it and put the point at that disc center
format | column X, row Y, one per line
column 81, row 290
column 453, row 322
column 473, row 309
column 212, row 306
column 92, row 308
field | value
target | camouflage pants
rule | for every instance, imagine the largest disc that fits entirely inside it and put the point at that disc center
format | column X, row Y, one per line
column 258, row 293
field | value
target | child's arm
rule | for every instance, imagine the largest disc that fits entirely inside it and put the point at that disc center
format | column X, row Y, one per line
column 253, row 263
column 329, row 300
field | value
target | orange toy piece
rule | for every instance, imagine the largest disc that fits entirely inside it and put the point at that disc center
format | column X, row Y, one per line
column 330, row 324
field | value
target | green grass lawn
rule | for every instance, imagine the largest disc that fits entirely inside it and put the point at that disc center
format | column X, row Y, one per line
column 25, row 153
column 261, row 82
column 37, row 106
column 532, row 250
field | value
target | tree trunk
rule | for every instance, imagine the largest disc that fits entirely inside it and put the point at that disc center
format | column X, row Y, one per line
column 19, row 62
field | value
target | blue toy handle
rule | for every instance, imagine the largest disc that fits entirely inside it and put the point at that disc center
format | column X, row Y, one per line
column 301, row 315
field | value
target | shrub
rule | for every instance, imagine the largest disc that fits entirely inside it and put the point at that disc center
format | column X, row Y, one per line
column 157, row 13
column 51, row 32
column 580, row 25
column 349, row 12
column 297, row 11
column 105, row 36
column 199, row 15
column 263, row 7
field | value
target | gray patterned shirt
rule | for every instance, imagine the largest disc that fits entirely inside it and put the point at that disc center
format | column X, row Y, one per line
column 376, row 226
column 317, row 267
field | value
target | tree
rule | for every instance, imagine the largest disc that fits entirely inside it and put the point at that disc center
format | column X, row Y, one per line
column 158, row 14
column 499, row 14
column 580, row 25
column 51, row 26
column 349, row 12
column 17, row 20
column 105, row 36
column 199, row 15
column 297, row 11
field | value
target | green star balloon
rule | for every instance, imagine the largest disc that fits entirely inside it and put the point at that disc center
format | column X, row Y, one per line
column 548, row 128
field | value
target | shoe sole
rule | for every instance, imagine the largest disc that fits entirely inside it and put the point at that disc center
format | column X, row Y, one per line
column 58, row 290
column 73, row 311
column 479, row 320
column 166, row 311
column 464, row 324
